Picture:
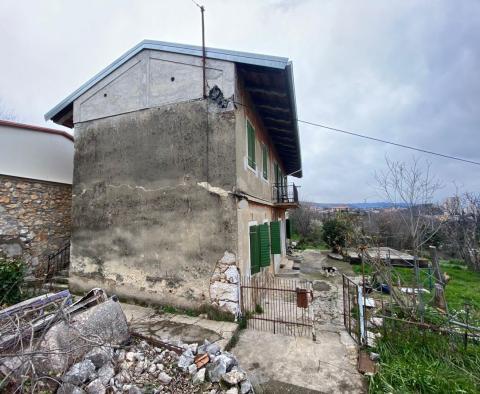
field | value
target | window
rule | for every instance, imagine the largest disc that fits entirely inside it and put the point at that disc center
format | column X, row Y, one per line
column 265, row 161
column 259, row 247
column 251, row 145
column 275, row 237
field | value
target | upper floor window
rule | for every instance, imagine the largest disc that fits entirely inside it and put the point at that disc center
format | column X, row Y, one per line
column 265, row 161
column 251, row 145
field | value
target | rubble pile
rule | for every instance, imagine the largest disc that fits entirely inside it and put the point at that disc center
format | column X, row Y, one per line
column 88, row 349
column 143, row 368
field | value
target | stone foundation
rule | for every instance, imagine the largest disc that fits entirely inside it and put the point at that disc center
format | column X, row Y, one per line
column 224, row 285
column 35, row 219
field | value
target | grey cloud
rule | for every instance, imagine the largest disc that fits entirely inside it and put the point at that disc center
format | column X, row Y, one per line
column 404, row 71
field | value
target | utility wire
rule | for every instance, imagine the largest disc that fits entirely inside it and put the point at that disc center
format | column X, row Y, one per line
column 379, row 139
column 389, row 142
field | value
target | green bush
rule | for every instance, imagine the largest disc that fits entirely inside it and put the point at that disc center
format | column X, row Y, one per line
column 12, row 273
column 335, row 233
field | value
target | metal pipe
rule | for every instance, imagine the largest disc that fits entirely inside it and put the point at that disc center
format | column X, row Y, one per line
column 204, row 55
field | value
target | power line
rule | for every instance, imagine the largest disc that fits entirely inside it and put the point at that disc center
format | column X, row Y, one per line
column 389, row 142
column 379, row 139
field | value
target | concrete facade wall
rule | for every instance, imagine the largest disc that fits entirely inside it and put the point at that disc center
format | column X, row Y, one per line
column 248, row 180
column 151, row 208
column 251, row 182
column 35, row 219
column 35, row 155
column 152, row 79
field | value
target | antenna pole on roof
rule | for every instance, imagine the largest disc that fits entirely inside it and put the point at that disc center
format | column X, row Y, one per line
column 202, row 9
column 204, row 54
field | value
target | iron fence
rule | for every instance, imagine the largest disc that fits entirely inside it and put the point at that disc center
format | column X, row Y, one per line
column 278, row 305
column 354, row 310
column 58, row 261
column 284, row 194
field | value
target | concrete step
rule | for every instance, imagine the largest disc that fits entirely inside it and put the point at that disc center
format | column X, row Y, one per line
column 60, row 279
column 63, row 272
column 55, row 286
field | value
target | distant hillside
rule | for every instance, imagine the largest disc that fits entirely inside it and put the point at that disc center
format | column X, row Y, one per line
column 356, row 205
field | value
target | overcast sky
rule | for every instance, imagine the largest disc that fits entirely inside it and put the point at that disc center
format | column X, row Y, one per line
column 407, row 71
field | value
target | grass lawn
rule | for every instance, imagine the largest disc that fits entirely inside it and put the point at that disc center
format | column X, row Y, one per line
column 413, row 361
column 464, row 284
column 420, row 361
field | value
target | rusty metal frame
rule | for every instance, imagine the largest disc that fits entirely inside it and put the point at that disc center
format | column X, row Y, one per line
column 353, row 322
column 278, row 305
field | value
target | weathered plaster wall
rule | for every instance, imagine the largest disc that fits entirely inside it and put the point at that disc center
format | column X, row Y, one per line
column 249, row 212
column 248, row 181
column 35, row 219
column 151, row 208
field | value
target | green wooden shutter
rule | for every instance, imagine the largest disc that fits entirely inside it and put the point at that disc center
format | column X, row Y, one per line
column 264, row 236
column 251, row 145
column 254, row 250
column 265, row 161
column 289, row 228
column 275, row 237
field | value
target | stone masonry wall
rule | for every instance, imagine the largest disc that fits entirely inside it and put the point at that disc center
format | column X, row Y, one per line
column 35, row 219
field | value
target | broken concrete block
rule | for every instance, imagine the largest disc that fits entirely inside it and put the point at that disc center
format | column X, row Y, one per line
column 105, row 373
column 68, row 388
column 79, row 373
column 164, row 378
column 199, row 377
column 216, row 369
column 99, row 356
column 234, row 377
column 104, row 323
column 96, row 387
column 246, row 387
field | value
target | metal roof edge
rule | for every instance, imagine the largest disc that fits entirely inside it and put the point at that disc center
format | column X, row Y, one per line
column 293, row 104
column 41, row 129
column 212, row 53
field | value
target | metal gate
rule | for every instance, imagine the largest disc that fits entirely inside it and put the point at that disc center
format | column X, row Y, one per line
column 278, row 305
column 353, row 310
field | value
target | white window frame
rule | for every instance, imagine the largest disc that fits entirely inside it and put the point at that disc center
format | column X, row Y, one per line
column 247, row 166
column 266, row 180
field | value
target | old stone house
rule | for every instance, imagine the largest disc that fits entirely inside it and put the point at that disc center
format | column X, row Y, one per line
column 180, row 182
column 36, row 168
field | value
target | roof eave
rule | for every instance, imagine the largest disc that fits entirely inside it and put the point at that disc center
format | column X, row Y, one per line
column 212, row 53
column 293, row 101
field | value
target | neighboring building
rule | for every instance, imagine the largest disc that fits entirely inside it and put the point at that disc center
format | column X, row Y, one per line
column 36, row 166
column 166, row 181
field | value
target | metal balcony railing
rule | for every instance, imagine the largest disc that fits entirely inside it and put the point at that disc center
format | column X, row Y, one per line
column 284, row 193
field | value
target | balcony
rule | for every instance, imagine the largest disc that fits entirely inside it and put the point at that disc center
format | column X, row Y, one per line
column 285, row 195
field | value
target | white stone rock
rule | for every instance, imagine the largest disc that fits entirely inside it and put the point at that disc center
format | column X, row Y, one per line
column 233, row 390
column 199, row 377
column 224, row 291
column 152, row 368
column 164, row 378
column 232, row 274
column 192, row 369
column 96, row 387
column 234, row 377
column 228, row 258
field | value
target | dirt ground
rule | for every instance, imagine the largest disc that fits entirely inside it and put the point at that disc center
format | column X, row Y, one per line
column 286, row 364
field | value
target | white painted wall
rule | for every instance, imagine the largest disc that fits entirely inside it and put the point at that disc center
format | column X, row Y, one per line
column 37, row 155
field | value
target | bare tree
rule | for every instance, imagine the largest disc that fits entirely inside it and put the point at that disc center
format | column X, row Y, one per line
column 302, row 219
column 462, row 228
column 411, row 188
